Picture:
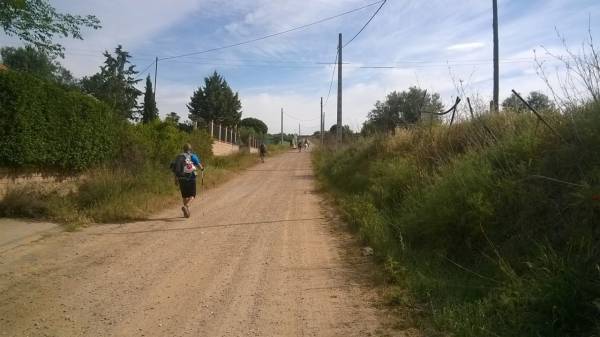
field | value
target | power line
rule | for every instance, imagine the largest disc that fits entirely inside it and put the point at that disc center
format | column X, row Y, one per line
column 264, row 64
column 366, row 24
column 432, row 65
column 332, row 77
column 309, row 62
column 357, row 65
column 274, row 34
column 141, row 73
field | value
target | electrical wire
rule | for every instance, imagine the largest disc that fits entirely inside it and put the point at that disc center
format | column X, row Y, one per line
column 274, row 34
column 331, row 82
column 141, row 73
column 366, row 24
column 347, row 43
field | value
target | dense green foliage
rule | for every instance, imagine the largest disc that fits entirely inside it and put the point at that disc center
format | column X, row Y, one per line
column 172, row 117
column 536, row 100
column 276, row 138
column 259, row 126
column 38, row 63
column 401, row 109
column 37, row 22
column 45, row 126
column 494, row 232
column 115, row 84
column 131, row 184
column 149, row 109
column 215, row 102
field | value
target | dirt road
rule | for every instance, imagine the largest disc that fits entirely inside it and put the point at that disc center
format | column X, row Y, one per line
column 258, row 257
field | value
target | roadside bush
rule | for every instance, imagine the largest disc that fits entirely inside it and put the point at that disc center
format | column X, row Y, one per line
column 44, row 126
column 156, row 144
column 491, row 224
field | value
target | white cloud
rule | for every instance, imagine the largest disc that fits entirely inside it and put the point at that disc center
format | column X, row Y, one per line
column 422, row 36
column 130, row 23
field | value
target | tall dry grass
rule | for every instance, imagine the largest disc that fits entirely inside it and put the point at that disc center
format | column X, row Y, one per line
column 491, row 224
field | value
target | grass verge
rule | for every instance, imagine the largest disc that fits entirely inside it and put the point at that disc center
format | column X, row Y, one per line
column 114, row 194
column 493, row 230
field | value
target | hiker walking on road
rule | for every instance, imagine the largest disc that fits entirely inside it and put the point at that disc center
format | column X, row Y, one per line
column 185, row 167
column 263, row 151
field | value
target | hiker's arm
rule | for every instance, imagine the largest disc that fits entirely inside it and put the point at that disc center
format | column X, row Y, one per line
column 198, row 162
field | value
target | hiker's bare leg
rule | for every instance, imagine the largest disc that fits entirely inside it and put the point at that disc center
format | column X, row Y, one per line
column 187, row 201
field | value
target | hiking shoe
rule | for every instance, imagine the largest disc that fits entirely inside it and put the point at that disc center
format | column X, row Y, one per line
column 186, row 211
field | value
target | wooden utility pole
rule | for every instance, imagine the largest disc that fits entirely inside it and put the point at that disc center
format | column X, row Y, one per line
column 155, row 73
column 281, row 126
column 339, row 95
column 322, row 121
column 496, row 65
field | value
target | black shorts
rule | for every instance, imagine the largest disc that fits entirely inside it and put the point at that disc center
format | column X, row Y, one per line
column 187, row 187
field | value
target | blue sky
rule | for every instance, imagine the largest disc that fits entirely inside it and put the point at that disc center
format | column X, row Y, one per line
column 433, row 43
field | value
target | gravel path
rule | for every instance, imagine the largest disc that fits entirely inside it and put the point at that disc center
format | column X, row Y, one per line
column 260, row 256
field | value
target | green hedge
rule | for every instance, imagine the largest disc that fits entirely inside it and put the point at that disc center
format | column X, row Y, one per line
column 44, row 126
column 156, row 144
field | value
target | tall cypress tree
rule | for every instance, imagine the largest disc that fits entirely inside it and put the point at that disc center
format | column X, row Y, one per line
column 149, row 109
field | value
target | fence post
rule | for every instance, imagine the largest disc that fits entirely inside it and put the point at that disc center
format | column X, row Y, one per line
column 235, row 136
column 212, row 129
column 226, row 134
column 219, row 132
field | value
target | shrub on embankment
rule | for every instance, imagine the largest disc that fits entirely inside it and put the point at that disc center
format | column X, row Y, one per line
column 124, row 167
column 45, row 126
column 133, row 183
column 495, row 230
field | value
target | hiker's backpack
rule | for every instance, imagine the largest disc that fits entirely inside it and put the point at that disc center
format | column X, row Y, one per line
column 183, row 165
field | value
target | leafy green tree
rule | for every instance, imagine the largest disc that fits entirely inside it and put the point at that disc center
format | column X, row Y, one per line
column 369, row 128
column 403, row 108
column 259, row 126
column 383, row 118
column 38, row 23
column 535, row 99
column 115, row 84
column 276, row 138
column 172, row 117
column 37, row 63
column 513, row 103
column 539, row 101
column 345, row 130
column 149, row 109
column 215, row 102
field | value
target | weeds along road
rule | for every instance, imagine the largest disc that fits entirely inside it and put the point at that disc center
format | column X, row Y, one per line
column 258, row 257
